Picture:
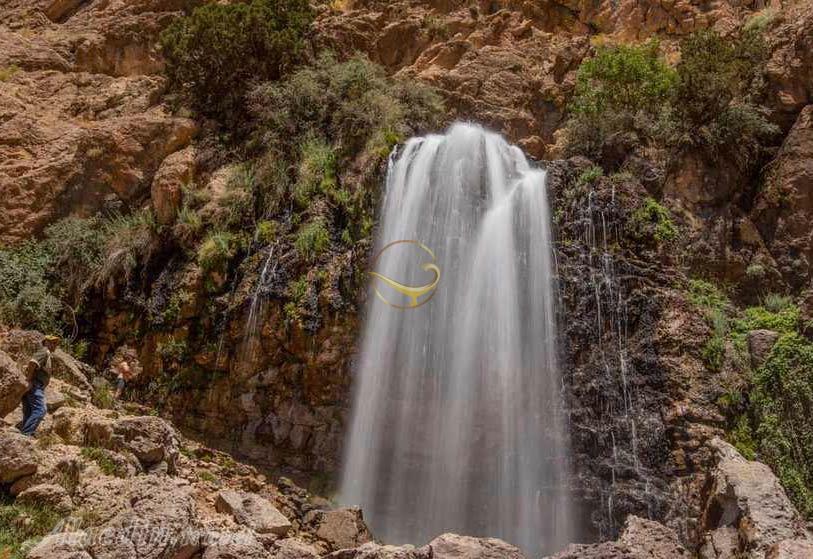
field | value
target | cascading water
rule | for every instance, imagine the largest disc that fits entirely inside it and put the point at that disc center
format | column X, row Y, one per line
column 457, row 421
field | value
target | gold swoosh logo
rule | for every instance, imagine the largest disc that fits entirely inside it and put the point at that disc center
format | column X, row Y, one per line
column 413, row 293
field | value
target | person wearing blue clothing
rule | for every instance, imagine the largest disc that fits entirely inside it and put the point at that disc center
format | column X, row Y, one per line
column 39, row 375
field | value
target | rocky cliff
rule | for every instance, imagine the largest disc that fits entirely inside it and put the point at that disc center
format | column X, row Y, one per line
column 253, row 354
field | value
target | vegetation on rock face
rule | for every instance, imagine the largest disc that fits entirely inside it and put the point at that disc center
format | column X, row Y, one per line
column 622, row 90
column 43, row 283
column 630, row 95
column 653, row 219
column 215, row 53
column 770, row 413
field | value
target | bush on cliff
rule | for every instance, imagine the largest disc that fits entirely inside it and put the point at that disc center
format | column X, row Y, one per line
column 713, row 106
column 629, row 95
column 623, row 89
column 215, row 53
column 769, row 410
column 41, row 280
column 780, row 405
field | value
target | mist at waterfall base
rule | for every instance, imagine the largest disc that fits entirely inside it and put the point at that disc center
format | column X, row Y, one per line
column 457, row 422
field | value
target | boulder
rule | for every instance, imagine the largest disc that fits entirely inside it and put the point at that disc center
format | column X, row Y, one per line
column 650, row 539
column 746, row 496
column 339, row 529
column 760, row 343
column 50, row 494
column 146, row 517
column 640, row 539
column 166, row 191
column 452, row 546
column 604, row 550
column 253, row 511
column 13, row 385
column 151, row 439
column 17, row 456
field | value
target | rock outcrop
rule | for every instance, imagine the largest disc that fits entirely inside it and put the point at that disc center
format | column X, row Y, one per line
column 253, row 511
column 82, row 125
column 747, row 511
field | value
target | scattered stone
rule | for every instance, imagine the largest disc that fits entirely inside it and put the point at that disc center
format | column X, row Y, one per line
column 13, row 385
column 253, row 511
column 760, row 343
column 339, row 529
column 17, row 456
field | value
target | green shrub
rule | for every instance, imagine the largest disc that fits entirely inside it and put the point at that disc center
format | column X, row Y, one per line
column 706, row 295
column 354, row 103
column 103, row 397
column 216, row 251
column 780, row 405
column 742, row 437
column 266, row 232
column 759, row 318
column 713, row 107
column 622, row 89
column 590, row 175
column 714, row 349
column 37, row 278
column 128, row 240
column 22, row 526
column 214, row 54
column 312, row 239
column 653, row 219
column 317, row 171
column 705, row 102
column 103, row 459
column 775, row 302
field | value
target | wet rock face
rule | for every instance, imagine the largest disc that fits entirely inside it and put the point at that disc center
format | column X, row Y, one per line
column 611, row 372
column 640, row 400
column 783, row 207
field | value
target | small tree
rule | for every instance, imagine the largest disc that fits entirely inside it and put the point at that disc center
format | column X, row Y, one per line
column 714, row 109
column 623, row 89
column 217, row 52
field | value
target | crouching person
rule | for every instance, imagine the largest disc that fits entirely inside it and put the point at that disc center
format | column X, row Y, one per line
column 39, row 375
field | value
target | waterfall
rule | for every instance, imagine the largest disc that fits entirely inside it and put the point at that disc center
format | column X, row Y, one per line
column 457, row 420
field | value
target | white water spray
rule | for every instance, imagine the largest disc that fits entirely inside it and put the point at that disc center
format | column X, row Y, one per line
column 457, row 420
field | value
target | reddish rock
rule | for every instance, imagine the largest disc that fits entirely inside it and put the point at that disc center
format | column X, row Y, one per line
column 175, row 172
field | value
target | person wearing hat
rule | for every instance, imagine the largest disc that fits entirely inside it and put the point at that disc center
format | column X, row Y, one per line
column 39, row 375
